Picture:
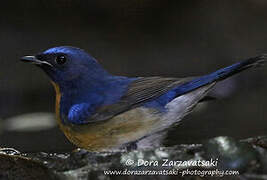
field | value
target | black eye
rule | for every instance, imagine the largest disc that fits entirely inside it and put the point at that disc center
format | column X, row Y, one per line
column 61, row 59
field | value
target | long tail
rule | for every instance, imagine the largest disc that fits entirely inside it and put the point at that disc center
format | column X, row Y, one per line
column 220, row 74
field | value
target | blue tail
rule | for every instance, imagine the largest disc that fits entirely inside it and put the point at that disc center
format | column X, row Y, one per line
column 220, row 74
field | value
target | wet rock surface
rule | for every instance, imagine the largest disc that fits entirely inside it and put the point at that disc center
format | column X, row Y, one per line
column 247, row 157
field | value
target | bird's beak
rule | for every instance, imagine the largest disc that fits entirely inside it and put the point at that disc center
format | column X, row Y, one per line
column 34, row 60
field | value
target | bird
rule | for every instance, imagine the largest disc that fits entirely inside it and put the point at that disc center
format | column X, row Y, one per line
column 99, row 112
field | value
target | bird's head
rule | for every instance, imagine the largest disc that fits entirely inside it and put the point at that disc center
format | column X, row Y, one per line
column 67, row 64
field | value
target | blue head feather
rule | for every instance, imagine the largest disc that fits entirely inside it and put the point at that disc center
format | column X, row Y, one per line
column 78, row 63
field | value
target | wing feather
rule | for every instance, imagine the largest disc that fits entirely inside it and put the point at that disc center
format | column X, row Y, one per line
column 140, row 91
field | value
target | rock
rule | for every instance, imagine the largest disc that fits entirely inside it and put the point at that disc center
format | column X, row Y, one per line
column 247, row 157
column 15, row 166
column 231, row 154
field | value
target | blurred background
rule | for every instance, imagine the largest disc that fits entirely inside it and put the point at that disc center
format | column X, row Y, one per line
column 134, row 38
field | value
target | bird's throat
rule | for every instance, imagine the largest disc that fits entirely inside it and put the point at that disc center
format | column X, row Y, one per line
column 57, row 104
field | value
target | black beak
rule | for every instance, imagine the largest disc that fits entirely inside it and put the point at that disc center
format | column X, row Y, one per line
column 30, row 59
column 34, row 60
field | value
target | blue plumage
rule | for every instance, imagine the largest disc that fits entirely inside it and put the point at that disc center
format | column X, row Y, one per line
column 89, row 96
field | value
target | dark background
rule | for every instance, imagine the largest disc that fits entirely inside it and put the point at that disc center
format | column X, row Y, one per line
column 136, row 38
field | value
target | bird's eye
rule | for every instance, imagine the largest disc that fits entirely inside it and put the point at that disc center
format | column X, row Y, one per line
column 61, row 59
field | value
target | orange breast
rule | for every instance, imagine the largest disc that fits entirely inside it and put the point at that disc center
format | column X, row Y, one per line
column 58, row 97
column 111, row 134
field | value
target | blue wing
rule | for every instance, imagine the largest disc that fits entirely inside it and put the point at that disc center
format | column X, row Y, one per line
column 197, row 82
column 158, row 91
